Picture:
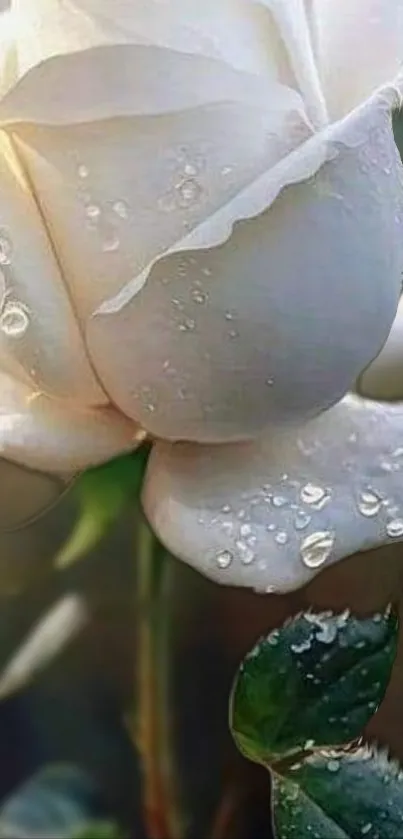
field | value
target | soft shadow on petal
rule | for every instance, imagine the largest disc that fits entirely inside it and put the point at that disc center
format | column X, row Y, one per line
column 25, row 494
column 359, row 48
column 40, row 340
column 46, row 435
column 272, row 514
column 275, row 324
column 383, row 379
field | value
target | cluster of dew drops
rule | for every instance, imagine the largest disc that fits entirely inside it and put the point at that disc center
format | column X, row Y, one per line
column 315, row 547
column 14, row 315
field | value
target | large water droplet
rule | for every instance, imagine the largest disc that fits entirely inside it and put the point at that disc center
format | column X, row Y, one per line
column 224, row 559
column 394, row 528
column 316, row 548
column 369, row 503
column 315, row 496
column 6, row 248
column 14, row 320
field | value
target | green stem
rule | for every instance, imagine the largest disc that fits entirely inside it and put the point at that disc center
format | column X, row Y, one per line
column 154, row 652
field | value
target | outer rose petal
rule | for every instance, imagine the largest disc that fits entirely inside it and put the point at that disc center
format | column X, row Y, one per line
column 276, row 323
column 359, row 46
column 271, row 514
column 383, row 379
column 45, row 435
column 25, row 494
column 39, row 336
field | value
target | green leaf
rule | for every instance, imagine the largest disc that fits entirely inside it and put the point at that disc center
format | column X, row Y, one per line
column 318, row 680
column 102, row 494
column 339, row 795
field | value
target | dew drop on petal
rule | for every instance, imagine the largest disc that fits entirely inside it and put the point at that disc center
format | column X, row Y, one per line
column 6, row 248
column 333, row 765
column 302, row 520
column 246, row 554
column 224, row 559
column 369, row 504
column 314, row 495
column 14, row 320
column 93, row 212
column 121, row 209
column 316, row 548
column 189, row 192
column 281, row 537
column 394, row 528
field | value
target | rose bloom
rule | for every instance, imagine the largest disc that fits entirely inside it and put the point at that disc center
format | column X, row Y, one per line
column 201, row 242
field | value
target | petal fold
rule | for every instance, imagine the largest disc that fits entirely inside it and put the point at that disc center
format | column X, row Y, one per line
column 271, row 514
column 46, row 435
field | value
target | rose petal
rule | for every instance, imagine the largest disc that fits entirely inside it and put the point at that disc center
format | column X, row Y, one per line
column 45, row 435
column 359, row 48
column 271, row 514
column 25, row 494
column 241, row 33
column 119, row 193
column 383, row 379
column 277, row 323
column 39, row 336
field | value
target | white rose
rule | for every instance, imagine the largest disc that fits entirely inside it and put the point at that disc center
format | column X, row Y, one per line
column 201, row 213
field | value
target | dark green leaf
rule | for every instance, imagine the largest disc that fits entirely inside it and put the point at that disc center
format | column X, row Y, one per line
column 337, row 795
column 318, row 680
column 102, row 495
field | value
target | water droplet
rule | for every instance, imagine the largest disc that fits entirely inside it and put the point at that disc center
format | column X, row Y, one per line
column 150, row 407
column 303, row 647
column 6, row 248
column 309, row 744
column 226, row 508
column 270, row 382
column 246, row 554
column 233, row 333
column 281, row 537
column 121, row 209
column 14, row 320
column 93, row 212
column 199, row 296
column 111, row 242
column 245, row 530
column 207, row 272
column 279, row 501
column 369, row 504
column 366, row 828
column 187, row 325
column 315, row 496
column 333, row 765
column 273, row 638
column 316, row 548
column 327, row 633
column 302, row 520
column 229, row 316
column 226, row 170
column 190, row 169
column 189, row 192
column 394, row 528
column 224, row 559
column 83, row 171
